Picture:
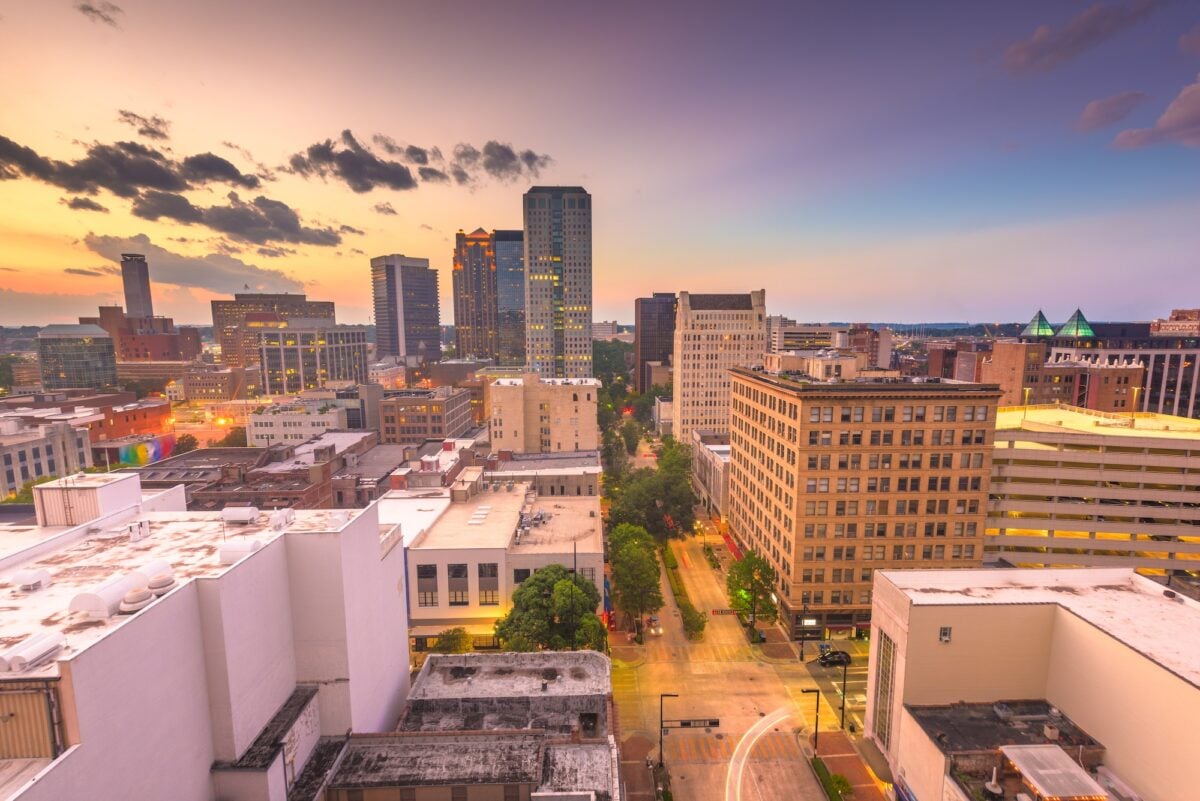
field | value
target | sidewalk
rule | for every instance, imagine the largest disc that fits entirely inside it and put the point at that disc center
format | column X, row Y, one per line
column 840, row 756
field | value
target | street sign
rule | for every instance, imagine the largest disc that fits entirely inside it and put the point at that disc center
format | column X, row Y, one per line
column 693, row 723
column 724, row 612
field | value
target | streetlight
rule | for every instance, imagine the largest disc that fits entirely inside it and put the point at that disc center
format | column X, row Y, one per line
column 1025, row 403
column 661, row 696
column 844, row 666
column 816, row 719
column 803, row 630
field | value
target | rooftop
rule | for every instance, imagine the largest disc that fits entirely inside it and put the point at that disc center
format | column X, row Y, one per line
column 1051, row 418
column 68, row 330
column 513, row 675
column 568, row 462
column 963, row 728
column 519, row 381
column 1129, row 608
column 305, row 454
column 409, row 759
column 1052, row 772
column 725, row 302
column 894, row 385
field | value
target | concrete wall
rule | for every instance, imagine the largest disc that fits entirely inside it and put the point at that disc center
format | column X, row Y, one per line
column 924, row 764
column 136, row 702
column 1143, row 715
column 472, row 557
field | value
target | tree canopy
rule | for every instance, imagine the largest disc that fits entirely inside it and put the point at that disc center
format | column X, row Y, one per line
column 185, row 443
column 637, row 590
column 555, row 610
column 453, row 641
column 750, row 582
column 659, row 500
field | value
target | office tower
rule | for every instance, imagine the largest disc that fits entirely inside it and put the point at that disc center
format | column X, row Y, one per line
column 527, row 414
column 509, row 250
column 558, row 286
column 411, row 416
column 712, row 334
column 307, row 353
column 474, row 286
column 407, row 316
column 135, row 275
column 832, row 480
column 775, row 323
column 653, row 335
column 76, row 356
column 1027, row 378
column 146, row 339
column 238, row 337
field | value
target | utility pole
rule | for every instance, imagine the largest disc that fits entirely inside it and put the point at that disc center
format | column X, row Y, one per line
column 816, row 719
column 661, row 696
column 844, row 666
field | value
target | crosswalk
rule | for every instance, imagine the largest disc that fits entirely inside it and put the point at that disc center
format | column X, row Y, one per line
column 700, row 652
column 773, row 747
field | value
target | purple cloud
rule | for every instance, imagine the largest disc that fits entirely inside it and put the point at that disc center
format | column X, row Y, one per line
column 1108, row 111
column 1047, row 48
column 1180, row 123
column 1189, row 43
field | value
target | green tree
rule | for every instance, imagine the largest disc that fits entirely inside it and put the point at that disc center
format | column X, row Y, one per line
column 625, row 534
column 234, row 438
column 637, row 590
column 659, row 501
column 25, row 494
column 453, row 641
column 750, row 582
column 631, row 434
column 608, row 362
column 552, row 609
column 185, row 443
column 643, row 405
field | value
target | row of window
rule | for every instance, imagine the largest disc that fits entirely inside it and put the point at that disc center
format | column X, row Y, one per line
column 887, row 414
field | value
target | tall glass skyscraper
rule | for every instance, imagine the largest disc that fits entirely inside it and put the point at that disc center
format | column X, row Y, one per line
column 135, row 276
column 508, row 248
column 558, row 281
column 474, row 286
column 407, row 315
column 76, row 356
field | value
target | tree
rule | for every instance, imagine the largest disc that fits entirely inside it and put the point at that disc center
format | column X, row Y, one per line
column 625, row 534
column 25, row 494
column 661, row 501
column 185, row 443
column 608, row 362
column 750, row 582
column 453, row 641
column 552, row 609
column 234, row 438
column 637, row 590
column 631, row 433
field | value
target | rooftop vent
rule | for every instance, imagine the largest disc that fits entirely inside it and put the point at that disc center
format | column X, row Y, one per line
column 240, row 515
column 31, row 579
column 135, row 601
column 31, row 652
column 233, row 550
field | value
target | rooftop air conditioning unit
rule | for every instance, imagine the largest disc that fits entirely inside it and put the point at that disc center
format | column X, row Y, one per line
column 31, row 579
column 241, row 515
column 32, row 652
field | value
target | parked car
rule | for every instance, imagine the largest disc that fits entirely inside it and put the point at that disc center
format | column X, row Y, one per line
column 655, row 626
column 834, row 658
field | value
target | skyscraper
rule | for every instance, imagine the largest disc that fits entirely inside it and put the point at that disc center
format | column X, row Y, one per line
column 135, row 275
column 653, row 334
column 474, row 286
column 238, row 337
column 558, row 286
column 407, row 316
column 509, row 250
column 74, row 356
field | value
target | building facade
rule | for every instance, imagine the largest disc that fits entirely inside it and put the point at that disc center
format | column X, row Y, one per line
column 407, row 314
column 542, row 415
column 31, row 452
column 240, row 346
column 713, row 333
column 653, row 335
column 832, row 481
column 146, row 339
column 411, row 416
column 474, row 285
column 509, row 250
column 1026, row 377
column 558, row 285
column 293, row 422
column 710, row 470
column 135, row 278
column 76, row 356
column 307, row 353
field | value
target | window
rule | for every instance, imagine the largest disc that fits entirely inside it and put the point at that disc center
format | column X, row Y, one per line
column 427, row 572
column 487, row 598
column 457, row 571
column 944, row 634
column 488, row 570
column 520, row 574
column 427, row 598
column 884, row 680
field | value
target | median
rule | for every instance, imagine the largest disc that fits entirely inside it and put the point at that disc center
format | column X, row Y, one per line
column 693, row 621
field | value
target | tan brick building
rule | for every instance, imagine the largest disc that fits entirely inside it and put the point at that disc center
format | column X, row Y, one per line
column 832, row 481
column 549, row 415
column 411, row 416
column 1026, row 377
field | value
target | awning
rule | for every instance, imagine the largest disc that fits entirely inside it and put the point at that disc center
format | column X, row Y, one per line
column 875, row 760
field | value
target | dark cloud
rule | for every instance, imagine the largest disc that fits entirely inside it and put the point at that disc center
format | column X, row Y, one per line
column 152, row 127
column 350, row 229
column 461, row 176
column 358, row 252
column 83, row 204
column 1047, row 47
column 417, row 155
column 100, row 12
column 387, row 144
column 1180, row 123
column 466, row 155
column 260, row 222
column 83, row 271
column 206, row 167
column 426, row 226
column 264, row 173
column 1108, row 111
column 154, row 205
column 534, row 162
column 384, row 208
column 355, row 165
column 275, row 253
column 214, row 272
column 432, row 174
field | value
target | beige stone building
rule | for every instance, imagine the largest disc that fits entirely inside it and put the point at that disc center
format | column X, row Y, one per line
column 1073, row 487
column 528, row 414
column 712, row 334
column 1069, row 684
column 832, row 481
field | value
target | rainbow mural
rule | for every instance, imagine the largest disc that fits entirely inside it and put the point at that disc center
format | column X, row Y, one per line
column 139, row 452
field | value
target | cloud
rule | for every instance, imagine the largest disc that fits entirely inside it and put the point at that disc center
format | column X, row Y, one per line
column 387, row 144
column 432, row 174
column 206, row 167
column 1047, row 48
column 84, row 271
column 1180, row 123
column 417, row 155
column 1108, row 111
column 154, row 205
column 384, row 208
column 152, row 127
column 261, row 221
column 83, row 204
column 350, row 229
column 355, row 165
column 426, row 226
column 465, row 155
column 214, row 272
column 100, row 12
column 461, row 176
column 358, row 252
column 1189, row 43
column 274, row 253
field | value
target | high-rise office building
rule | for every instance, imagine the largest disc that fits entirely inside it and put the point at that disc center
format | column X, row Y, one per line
column 76, row 356
column 653, row 334
column 558, row 286
column 135, row 275
column 407, row 315
column 509, row 250
column 712, row 334
column 832, row 480
column 240, row 342
column 304, row 354
column 474, row 286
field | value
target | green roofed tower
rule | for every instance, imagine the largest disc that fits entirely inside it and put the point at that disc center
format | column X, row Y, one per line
column 1077, row 326
column 1039, row 326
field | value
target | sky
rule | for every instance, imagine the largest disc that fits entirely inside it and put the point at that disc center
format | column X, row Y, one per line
column 921, row 161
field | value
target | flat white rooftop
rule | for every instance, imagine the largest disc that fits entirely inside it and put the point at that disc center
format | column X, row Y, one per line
column 1052, row 772
column 1130, row 608
column 1073, row 420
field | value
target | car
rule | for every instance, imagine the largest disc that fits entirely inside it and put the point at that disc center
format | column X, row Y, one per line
column 834, row 658
column 655, row 626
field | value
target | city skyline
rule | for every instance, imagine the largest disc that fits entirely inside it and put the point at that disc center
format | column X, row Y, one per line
column 961, row 163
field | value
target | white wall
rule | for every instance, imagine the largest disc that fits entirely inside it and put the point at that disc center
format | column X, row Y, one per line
column 924, row 764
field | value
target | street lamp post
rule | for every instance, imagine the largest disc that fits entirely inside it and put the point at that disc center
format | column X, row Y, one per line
column 661, row 696
column 844, row 666
column 816, row 719
column 803, row 629
column 1025, row 402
